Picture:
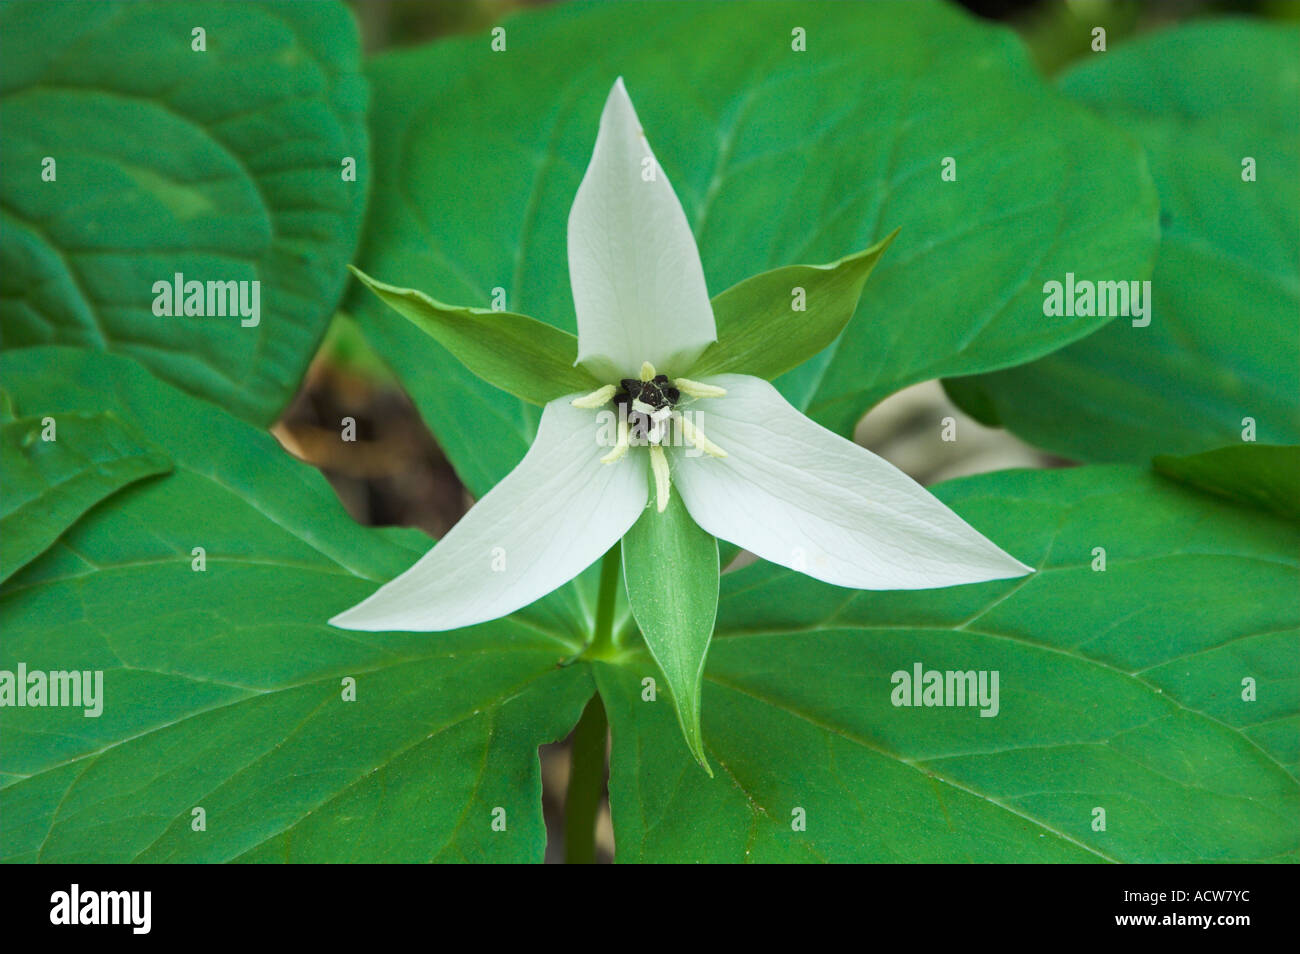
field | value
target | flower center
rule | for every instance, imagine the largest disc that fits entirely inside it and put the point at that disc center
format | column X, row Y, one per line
column 647, row 404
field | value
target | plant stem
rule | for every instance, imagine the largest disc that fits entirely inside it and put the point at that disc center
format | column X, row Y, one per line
column 586, row 785
column 602, row 640
column 587, row 757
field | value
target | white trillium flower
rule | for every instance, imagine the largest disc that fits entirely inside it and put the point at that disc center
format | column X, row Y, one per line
column 750, row 467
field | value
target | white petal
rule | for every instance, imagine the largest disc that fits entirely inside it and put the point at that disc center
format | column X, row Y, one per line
column 638, row 287
column 796, row 494
column 551, row 517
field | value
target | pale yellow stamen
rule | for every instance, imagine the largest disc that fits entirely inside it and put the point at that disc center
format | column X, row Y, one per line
column 697, row 389
column 696, row 437
column 659, row 464
column 647, row 371
column 620, row 447
column 596, row 398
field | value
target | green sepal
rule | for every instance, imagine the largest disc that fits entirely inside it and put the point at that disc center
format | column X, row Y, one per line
column 521, row 355
column 760, row 331
column 670, row 568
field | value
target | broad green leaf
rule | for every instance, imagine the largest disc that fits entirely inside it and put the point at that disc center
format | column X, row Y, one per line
column 1263, row 475
column 1219, row 354
column 779, row 158
column 220, row 165
column 56, row 467
column 802, row 307
column 670, row 567
column 225, row 690
column 520, row 355
column 1119, row 689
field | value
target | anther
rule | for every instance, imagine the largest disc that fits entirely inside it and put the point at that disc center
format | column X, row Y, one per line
column 698, row 389
column 620, row 447
column 696, row 437
column 596, row 398
column 663, row 486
